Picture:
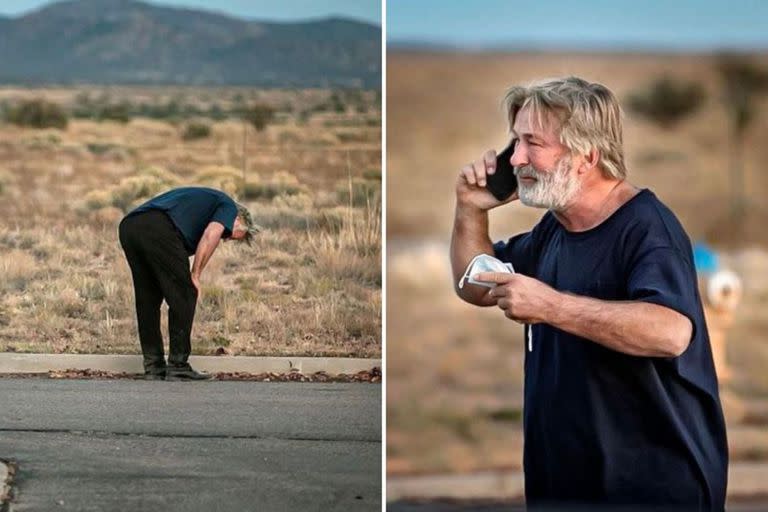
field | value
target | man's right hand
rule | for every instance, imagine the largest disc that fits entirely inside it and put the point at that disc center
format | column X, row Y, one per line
column 471, row 185
column 196, row 282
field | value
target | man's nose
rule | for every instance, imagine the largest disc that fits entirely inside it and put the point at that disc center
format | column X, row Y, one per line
column 519, row 155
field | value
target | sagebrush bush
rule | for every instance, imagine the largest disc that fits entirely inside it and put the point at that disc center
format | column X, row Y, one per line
column 358, row 192
column 280, row 183
column 259, row 116
column 223, row 177
column 120, row 112
column 194, row 131
column 37, row 113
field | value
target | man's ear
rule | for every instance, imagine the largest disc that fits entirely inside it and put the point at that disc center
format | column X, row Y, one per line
column 590, row 161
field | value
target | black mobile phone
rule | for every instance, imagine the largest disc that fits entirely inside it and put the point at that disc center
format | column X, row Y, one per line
column 503, row 182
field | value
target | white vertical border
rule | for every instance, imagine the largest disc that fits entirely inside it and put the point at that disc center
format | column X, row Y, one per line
column 384, row 255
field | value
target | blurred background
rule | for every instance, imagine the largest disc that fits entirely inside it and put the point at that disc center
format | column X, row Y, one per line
column 692, row 78
column 105, row 103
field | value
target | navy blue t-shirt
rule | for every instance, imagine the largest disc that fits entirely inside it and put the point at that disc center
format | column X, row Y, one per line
column 191, row 209
column 602, row 426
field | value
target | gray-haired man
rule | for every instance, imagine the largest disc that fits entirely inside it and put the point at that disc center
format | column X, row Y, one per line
column 621, row 398
column 158, row 237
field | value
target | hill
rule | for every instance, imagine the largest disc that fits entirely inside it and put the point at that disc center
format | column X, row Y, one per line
column 132, row 42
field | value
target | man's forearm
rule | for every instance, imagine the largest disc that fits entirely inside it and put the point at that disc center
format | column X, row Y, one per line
column 470, row 238
column 205, row 249
column 635, row 328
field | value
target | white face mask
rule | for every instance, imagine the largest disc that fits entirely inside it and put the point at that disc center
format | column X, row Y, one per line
column 484, row 263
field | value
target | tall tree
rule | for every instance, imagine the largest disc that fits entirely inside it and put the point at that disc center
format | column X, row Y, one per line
column 743, row 81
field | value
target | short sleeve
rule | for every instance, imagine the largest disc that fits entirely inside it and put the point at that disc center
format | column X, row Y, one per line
column 664, row 276
column 225, row 214
column 517, row 251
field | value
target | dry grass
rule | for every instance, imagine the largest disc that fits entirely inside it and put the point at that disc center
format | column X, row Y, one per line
column 311, row 285
column 454, row 372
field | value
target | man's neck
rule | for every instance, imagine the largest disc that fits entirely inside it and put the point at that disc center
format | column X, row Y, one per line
column 596, row 202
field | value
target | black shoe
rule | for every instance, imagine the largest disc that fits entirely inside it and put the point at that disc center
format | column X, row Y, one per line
column 154, row 369
column 184, row 372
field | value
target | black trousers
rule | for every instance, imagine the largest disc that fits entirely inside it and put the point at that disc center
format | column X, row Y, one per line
column 160, row 268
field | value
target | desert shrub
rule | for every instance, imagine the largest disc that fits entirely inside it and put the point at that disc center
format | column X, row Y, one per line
column 349, row 253
column 120, row 112
column 258, row 115
column 346, row 137
column 43, row 141
column 223, row 177
column 373, row 173
column 97, row 199
column 215, row 112
column 666, row 101
column 69, row 304
column 37, row 113
column 335, row 103
column 289, row 136
column 281, row 183
column 358, row 192
column 133, row 188
column 159, row 173
column 101, row 148
column 194, row 131
column 284, row 214
column 147, row 183
column 17, row 270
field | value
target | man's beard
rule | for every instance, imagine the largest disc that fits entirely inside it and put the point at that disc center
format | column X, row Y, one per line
column 553, row 189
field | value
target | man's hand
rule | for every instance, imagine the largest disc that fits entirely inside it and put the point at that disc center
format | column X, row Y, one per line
column 196, row 282
column 634, row 328
column 470, row 186
column 522, row 298
column 206, row 246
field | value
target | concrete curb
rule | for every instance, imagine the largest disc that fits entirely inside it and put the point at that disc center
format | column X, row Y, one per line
column 40, row 363
column 746, row 480
column 494, row 485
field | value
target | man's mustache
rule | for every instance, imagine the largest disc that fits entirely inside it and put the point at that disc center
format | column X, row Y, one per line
column 526, row 172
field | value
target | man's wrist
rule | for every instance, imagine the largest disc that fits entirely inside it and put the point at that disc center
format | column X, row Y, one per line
column 467, row 211
column 557, row 309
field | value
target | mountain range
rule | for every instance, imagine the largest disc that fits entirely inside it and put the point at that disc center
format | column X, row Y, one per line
column 133, row 42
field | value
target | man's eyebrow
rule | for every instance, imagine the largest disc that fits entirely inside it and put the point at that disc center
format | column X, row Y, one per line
column 526, row 134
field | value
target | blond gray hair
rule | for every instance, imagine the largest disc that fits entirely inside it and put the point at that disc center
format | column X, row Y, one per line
column 588, row 117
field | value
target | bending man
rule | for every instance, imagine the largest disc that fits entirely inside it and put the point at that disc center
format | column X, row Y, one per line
column 158, row 237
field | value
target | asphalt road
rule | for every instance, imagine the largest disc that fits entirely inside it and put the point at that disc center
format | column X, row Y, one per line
column 218, row 446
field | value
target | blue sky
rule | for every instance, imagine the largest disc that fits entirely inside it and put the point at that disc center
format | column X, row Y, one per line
column 278, row 10
column 607, row 24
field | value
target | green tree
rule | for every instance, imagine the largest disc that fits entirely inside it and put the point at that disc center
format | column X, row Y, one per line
column 259, row 116
column 667, row 101
column 743, row 82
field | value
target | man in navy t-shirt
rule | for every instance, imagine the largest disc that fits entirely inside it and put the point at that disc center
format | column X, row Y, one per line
column 158, row 237
column 621, row 402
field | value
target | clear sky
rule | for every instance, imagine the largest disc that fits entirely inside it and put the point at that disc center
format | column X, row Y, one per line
column 673, row 24
column 277, row 10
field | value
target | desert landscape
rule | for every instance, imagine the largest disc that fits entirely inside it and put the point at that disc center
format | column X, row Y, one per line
column 454, row 400
column 307, row 163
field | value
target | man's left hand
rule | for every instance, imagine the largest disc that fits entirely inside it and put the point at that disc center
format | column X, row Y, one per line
column 523, row 299
column 196, row 282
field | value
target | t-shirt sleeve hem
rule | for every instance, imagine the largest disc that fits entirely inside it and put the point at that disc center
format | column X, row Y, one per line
column 674, row 306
